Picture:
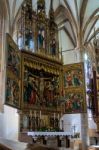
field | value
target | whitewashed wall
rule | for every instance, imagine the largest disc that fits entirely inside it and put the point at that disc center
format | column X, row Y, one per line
column 9, row 122
column 71, row 123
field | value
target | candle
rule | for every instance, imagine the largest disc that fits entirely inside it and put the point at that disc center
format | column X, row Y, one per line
column 30, row 113
column 61, row 114
column 54, row 116
column 58, row 116
column 35, row 113
column 40, row 114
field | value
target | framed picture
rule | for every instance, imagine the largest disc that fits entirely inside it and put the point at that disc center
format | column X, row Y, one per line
column 73, row 75
column 75, row 101
column 13, row 92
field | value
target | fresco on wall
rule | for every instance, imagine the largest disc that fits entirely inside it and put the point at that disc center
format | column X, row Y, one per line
column 74, row 88
column 13, row 73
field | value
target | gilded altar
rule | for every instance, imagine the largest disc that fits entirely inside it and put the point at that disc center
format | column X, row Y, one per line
column 41, row 91
column 41, row 68
column 37, row 82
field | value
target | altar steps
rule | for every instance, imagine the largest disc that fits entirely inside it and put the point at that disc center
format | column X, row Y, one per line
column 6, row 144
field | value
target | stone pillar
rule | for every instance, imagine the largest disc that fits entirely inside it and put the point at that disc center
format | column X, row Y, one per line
column 84, row 131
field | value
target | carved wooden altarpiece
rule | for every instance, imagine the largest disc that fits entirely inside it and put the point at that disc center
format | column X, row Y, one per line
column 41, row 89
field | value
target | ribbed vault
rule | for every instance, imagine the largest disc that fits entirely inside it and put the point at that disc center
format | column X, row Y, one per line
column 76, row 18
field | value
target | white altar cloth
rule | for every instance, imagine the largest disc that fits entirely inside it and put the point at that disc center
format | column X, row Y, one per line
column 33, row 134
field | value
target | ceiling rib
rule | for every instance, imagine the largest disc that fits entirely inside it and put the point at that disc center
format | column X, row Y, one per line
column 91, row 28
column 76, row 7
column 62, row 22
column 95, row 33
column 71, row 15
column 89, row 20
column 82, row 11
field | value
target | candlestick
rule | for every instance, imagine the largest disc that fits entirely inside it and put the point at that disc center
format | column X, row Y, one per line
column 62, row 125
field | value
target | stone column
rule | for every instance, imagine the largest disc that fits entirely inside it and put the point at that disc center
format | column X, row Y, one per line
column 84, row 131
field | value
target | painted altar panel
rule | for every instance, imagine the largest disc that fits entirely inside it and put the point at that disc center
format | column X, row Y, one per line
column 12, row 91
column 74, row 88
column 75, row 101
column 40, row 83
column 73, row 75
column 13, row 56
column 13, row 74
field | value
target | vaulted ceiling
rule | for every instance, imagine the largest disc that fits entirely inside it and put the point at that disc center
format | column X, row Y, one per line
column 76, row 19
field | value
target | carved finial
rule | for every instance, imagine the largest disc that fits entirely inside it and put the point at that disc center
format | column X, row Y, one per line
column 51, row 11
column 41, row 5
column 51, row 5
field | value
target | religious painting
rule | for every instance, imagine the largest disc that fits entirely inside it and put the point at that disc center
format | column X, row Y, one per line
column 74, row 88
column 13, row 74
column 40, row 89
column 13, row 56
column 73, row 75
column 75, row 101
column 12, row 91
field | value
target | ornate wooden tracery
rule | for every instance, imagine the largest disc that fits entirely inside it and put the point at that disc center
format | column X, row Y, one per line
column 36, row 32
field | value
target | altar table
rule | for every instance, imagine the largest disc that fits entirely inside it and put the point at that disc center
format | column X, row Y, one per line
column 45, row 136
column 34, row 133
